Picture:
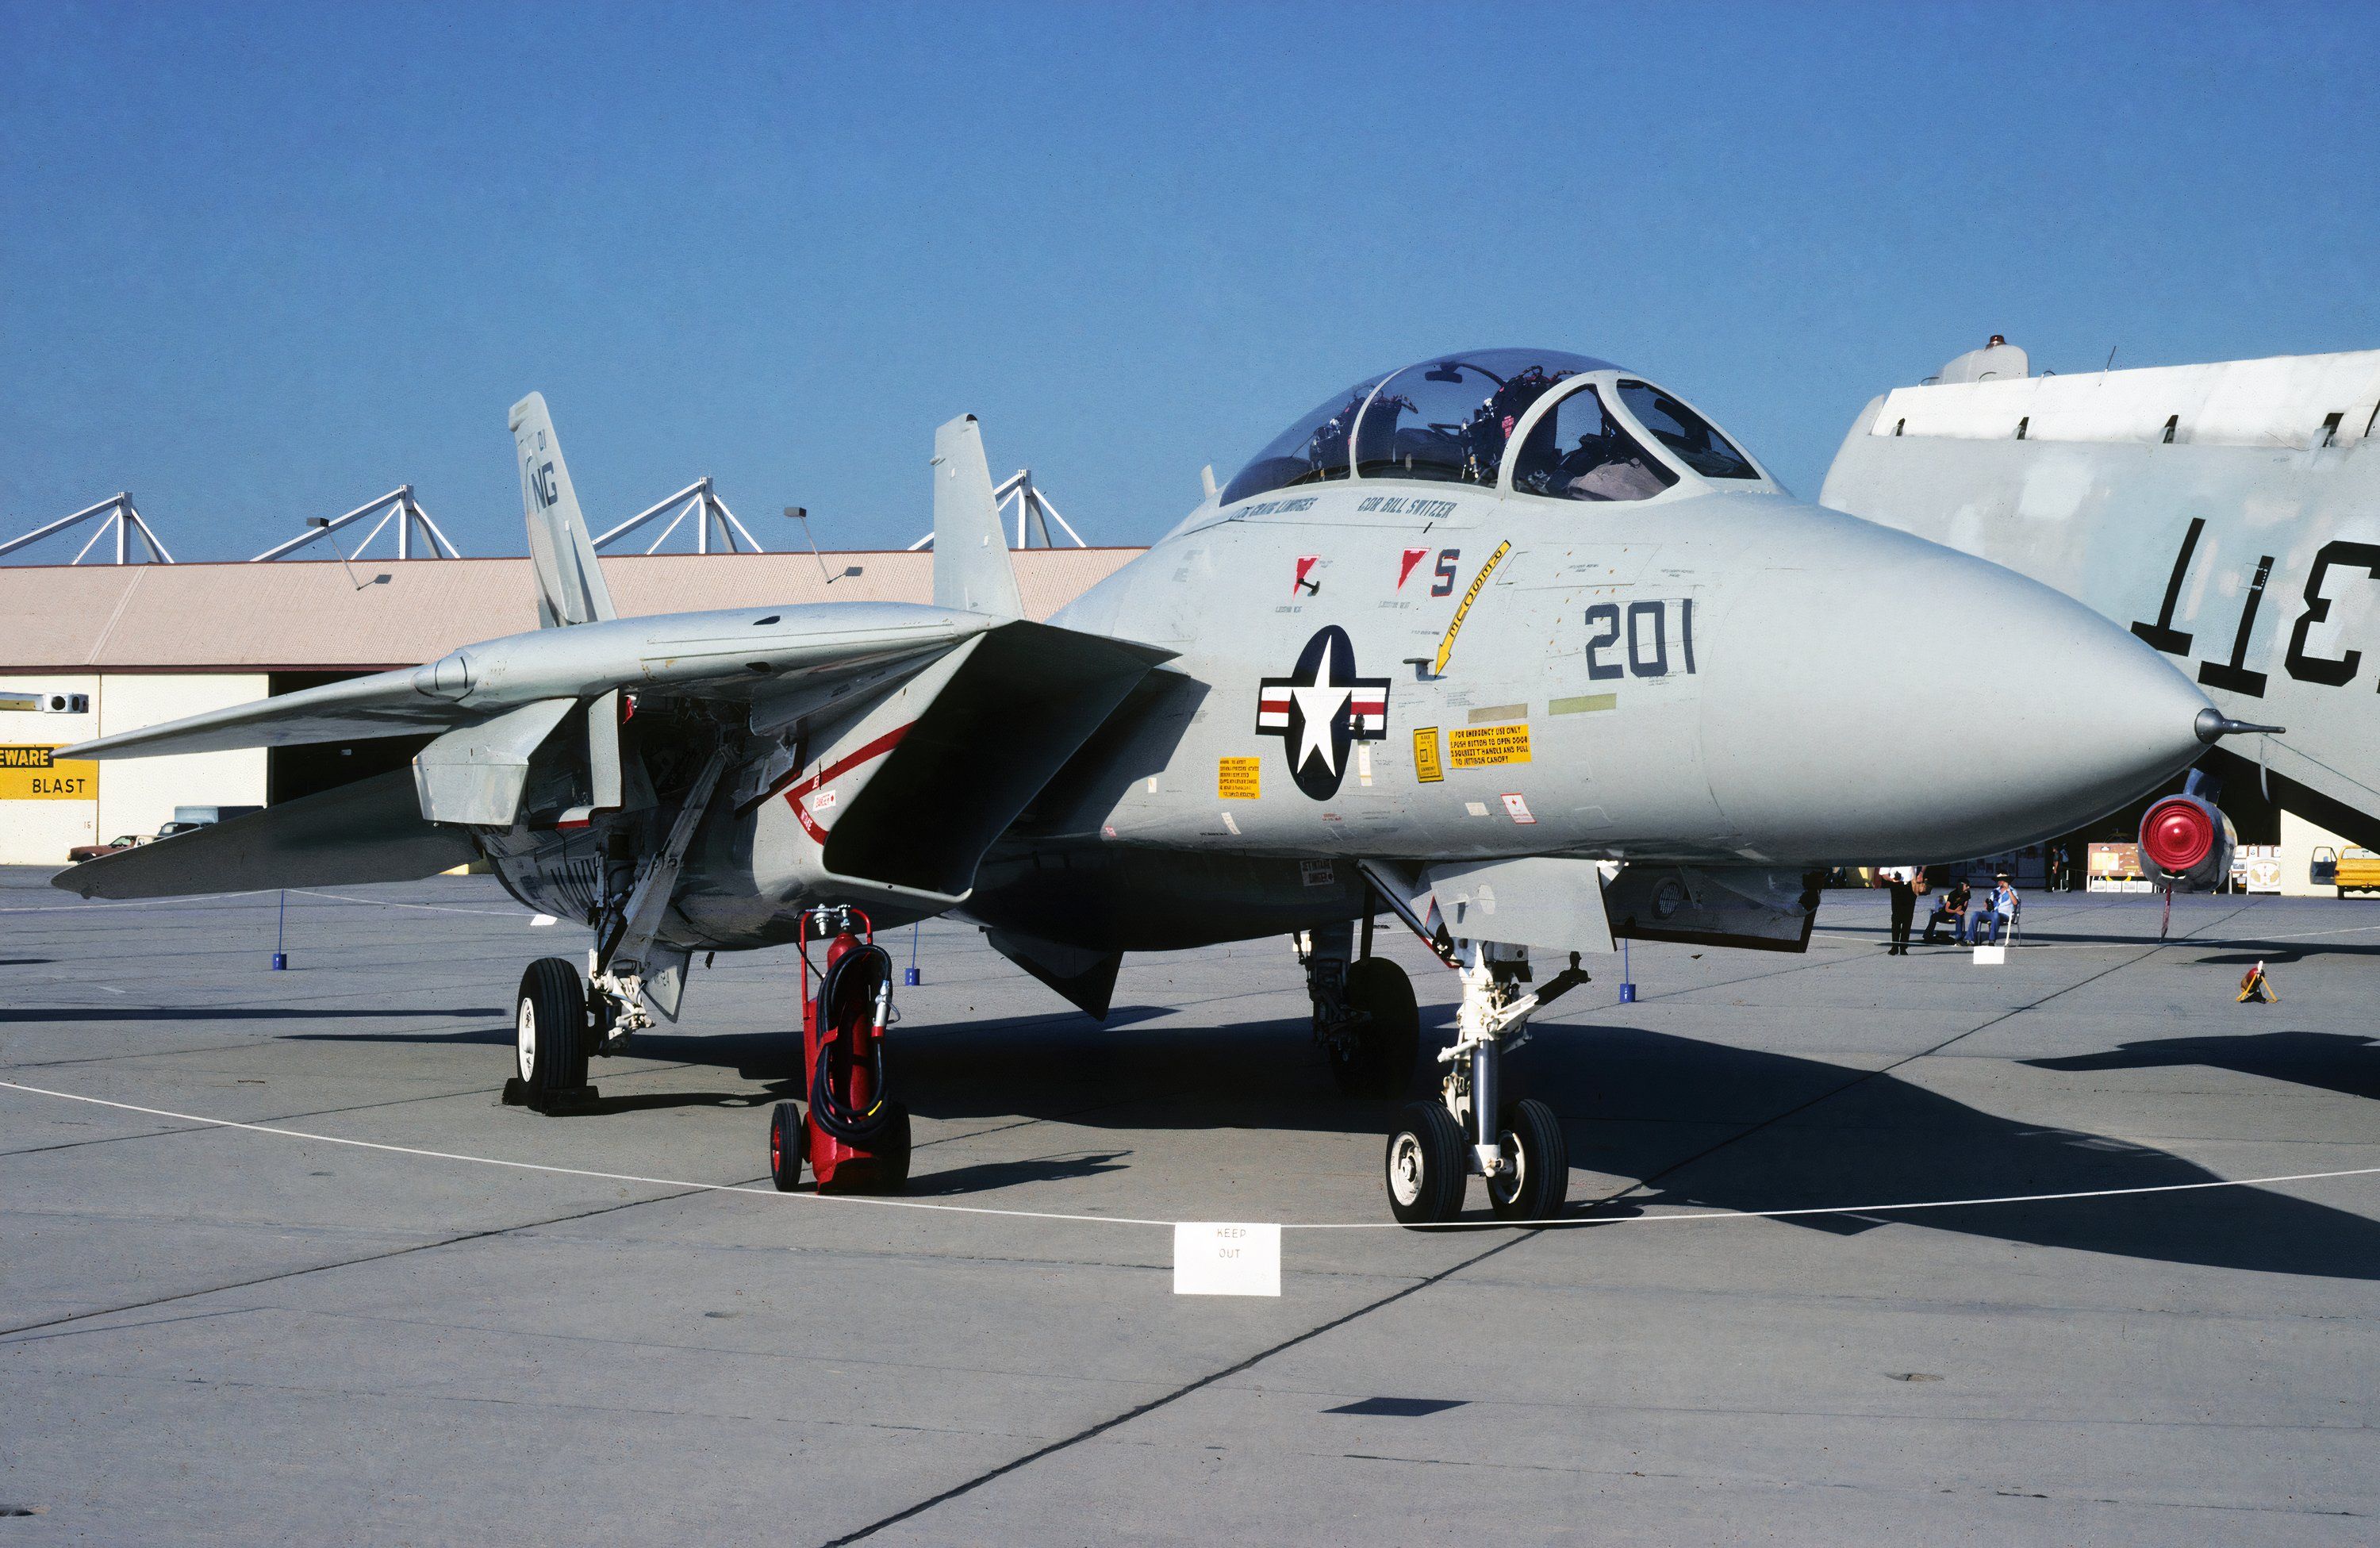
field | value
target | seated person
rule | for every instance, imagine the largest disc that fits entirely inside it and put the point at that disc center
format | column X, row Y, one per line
column 1606, row 469
column 1951, row 906
column 1998, row 912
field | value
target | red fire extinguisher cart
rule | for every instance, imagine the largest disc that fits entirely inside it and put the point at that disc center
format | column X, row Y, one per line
column 855, row 1138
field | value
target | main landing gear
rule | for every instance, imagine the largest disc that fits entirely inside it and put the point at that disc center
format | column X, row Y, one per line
column 1469, row 1131
column 552, row 1033
column 1365, row 1018
column 562, row 1012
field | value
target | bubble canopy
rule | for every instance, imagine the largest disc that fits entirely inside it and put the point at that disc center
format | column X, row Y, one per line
column 1447, row 418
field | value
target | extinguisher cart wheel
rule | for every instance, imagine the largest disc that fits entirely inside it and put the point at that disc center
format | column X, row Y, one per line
column 788, row 1140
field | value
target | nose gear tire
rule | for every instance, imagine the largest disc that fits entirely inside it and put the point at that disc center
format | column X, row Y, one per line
column 1425, row 1167
column 549, row 1035
column 1377, row 1057
column 788, row 1142
column 1539, row 1180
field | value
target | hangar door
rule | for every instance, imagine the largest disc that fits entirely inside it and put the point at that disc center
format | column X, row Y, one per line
column 292, row 771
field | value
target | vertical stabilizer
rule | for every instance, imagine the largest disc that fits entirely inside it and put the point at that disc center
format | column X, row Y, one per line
column 971, row 564
column 570, row 587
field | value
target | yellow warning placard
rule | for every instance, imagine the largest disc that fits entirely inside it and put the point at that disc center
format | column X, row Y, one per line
column 1426, row 768
column 1479, row 747
column 31, row 773
column 1236, row 779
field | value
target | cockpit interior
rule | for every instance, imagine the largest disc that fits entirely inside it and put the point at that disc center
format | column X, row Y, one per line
column 1586, row 431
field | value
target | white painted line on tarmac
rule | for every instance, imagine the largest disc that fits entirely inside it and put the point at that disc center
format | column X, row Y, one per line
column 391, row 903
column 189, row 900
column 751, row 1191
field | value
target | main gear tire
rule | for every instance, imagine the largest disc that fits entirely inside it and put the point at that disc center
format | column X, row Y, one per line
column 1538, row 1157
column 550, row 1034
column 1425, row 1167
column 789, row 1140
column 1376, row 1056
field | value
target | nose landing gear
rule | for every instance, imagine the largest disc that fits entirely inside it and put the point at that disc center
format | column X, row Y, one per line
column 1517, row 1147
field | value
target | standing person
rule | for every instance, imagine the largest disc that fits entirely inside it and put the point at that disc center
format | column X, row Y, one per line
column 1902, row 882
column 1951, row 906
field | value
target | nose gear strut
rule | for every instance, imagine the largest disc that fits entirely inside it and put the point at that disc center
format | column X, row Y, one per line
column 626, row 930
column 1470, row 1130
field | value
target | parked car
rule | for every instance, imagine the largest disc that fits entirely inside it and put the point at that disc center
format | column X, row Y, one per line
column 2349, row 870
column 170, row 829
column 82, row 852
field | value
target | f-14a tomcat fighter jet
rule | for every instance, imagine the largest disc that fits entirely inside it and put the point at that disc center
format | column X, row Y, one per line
column 1448, row 641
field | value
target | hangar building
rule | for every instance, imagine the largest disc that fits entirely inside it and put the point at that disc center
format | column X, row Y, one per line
column 151, row 642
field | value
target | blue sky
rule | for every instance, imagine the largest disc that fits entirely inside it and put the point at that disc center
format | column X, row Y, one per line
column 263, row 262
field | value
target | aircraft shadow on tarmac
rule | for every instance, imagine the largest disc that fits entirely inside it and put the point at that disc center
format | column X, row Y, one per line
column 2243, row 952
column 2344, row 1062
column 986, row 1176
column 1648, row 1099
column 1636, row 1104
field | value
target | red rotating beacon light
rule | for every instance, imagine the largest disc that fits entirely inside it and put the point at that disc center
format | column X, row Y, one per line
column 2178, row 833
column 855, row 1138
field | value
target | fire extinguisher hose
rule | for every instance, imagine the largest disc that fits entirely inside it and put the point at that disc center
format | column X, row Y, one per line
column 861, row 973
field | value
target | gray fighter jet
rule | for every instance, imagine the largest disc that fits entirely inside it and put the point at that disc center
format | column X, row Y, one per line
column 1453, row 647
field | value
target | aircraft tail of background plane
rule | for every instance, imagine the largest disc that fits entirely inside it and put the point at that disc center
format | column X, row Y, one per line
column 570, row 587
column 972, row 570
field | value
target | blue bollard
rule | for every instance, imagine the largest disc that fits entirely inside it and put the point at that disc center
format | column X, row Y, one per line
column 280, row 928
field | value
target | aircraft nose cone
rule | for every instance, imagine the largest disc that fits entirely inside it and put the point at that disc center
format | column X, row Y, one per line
column 1886, row 699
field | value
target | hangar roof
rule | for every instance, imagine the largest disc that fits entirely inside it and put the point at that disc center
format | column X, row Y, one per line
column 308, row 616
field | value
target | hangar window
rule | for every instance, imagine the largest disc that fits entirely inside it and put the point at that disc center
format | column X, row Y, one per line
column 1579, row 452
column 1685, row 433
column 1313, row 449
column 1447, row 418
